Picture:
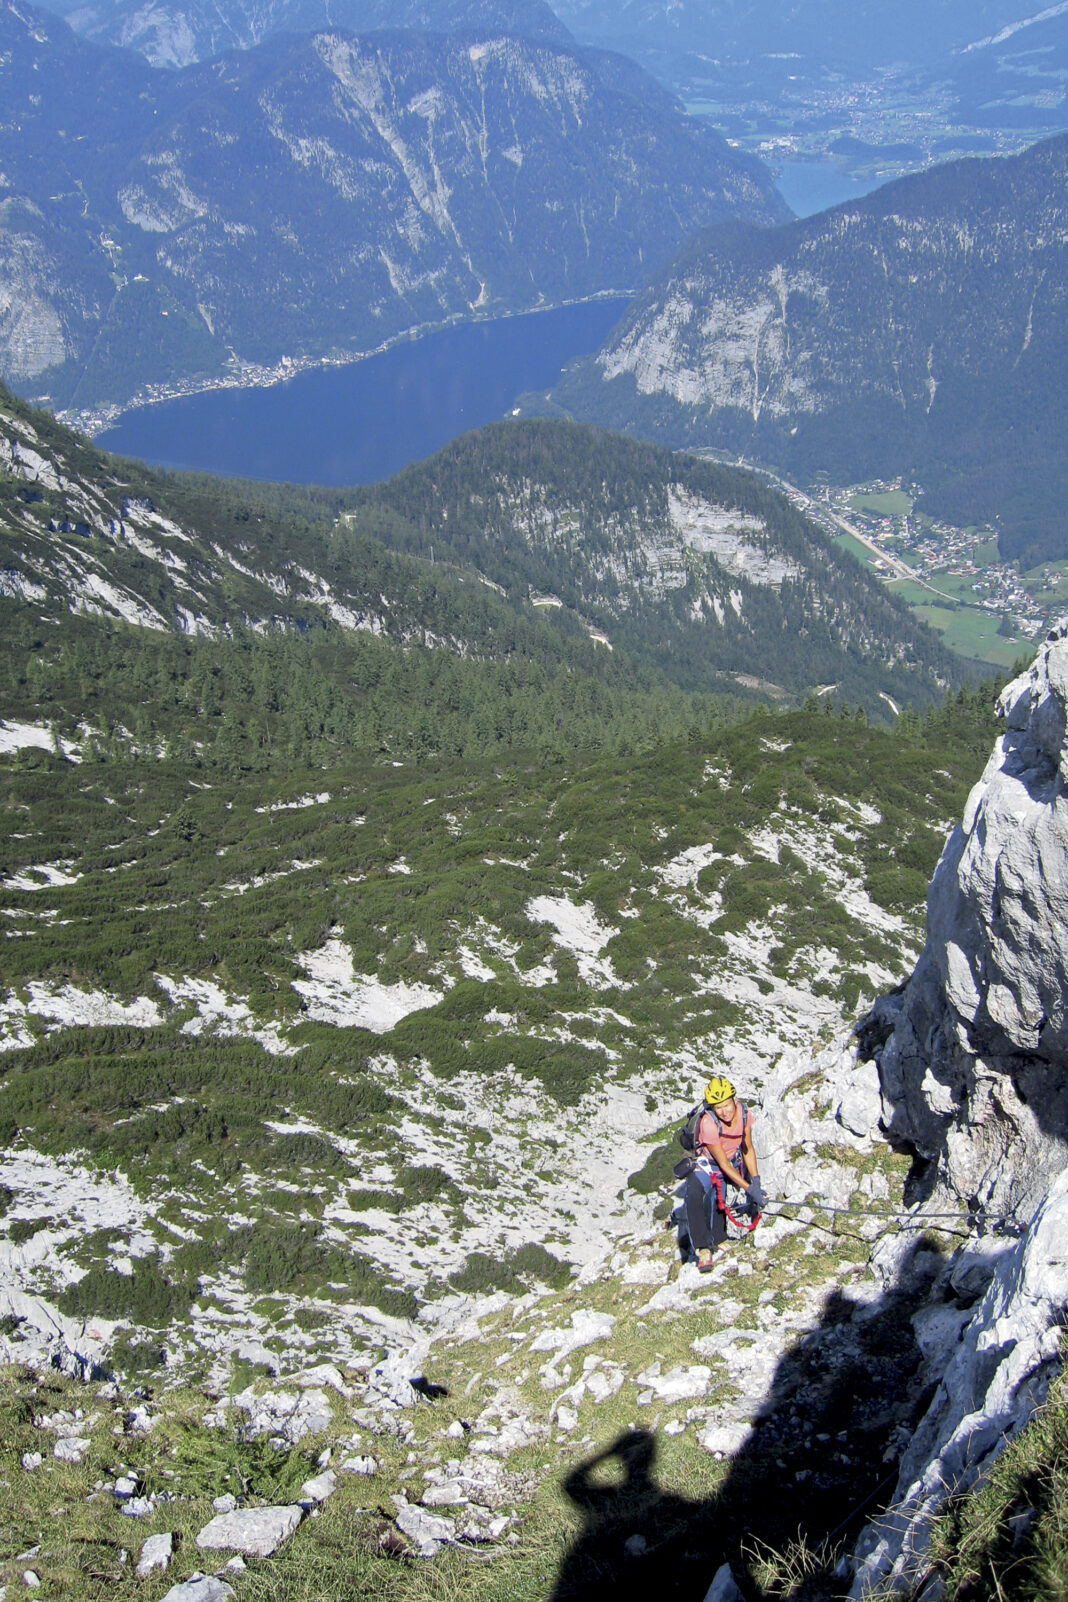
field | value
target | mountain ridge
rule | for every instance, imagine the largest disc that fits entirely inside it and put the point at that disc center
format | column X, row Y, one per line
column 915, row 331
column 566, row 543
column 169, row 34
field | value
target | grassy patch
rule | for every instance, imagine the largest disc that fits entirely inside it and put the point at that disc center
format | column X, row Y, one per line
column 1009, row 1537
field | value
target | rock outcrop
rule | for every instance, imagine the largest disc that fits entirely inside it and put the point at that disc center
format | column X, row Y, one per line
column 974, row 1081
column 975, row 1070
column 996, row 1377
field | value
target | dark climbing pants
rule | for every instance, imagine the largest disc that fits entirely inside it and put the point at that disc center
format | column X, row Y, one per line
column 705, row 1219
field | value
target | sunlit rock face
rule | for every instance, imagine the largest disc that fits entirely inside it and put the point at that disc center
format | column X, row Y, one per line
column 973, row 1076
column 976, row 1070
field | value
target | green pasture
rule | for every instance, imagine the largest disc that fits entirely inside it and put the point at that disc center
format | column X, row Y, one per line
column 1035, row 581
column 891, row 503
column 974, row 634
column 855, row 548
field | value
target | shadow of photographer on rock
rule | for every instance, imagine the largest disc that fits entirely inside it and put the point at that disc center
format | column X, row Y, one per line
column 819, row 1461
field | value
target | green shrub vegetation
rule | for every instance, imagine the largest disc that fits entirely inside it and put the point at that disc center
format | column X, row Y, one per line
column 513, row 1271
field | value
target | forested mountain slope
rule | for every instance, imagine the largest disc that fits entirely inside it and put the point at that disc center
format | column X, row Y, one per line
column 316, row 196
column 920, row 330
column 297, row 1060
column 608, row 569
column 700, row 570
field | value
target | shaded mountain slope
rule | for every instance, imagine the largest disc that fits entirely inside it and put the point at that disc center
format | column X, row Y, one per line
column 918, row 330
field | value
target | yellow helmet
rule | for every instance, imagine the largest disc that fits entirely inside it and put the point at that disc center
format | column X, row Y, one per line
column 718, row 1090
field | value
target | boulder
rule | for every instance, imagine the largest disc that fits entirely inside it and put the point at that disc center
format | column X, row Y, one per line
column 586, row 1327
column 647, row 1271
column 680, row 1384
column 428, row 1532
column 254, row 1531
column 319, row 1488
column 393, row 1381
column 449, row 1493
column 724, row 1588
column 156, row 1553
column 861, row 1107
column 288, row 1414
column 200, row 1588
column 71, row 1448
column 723, row 1440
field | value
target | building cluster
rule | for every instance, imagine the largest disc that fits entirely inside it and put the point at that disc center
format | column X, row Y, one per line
column 960, row 563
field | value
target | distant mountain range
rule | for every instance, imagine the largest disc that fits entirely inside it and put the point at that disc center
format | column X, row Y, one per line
column 314, row 197
column 846, row 32
column 921, row 330
column 169, row 33
column 598, row 558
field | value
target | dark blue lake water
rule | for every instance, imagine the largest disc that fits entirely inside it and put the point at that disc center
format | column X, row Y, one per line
column 811, row 186
column 356, row 424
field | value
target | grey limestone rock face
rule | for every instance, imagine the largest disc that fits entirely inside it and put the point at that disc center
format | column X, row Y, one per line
column 974, row 1076
column 255, row 1531
column 998, row 1374
column 976, row 1070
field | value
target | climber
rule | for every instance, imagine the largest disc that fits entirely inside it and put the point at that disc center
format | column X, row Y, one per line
column 722, row 1134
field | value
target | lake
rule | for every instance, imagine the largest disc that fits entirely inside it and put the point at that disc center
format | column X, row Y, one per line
column 365, row 421
column 811, row 186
